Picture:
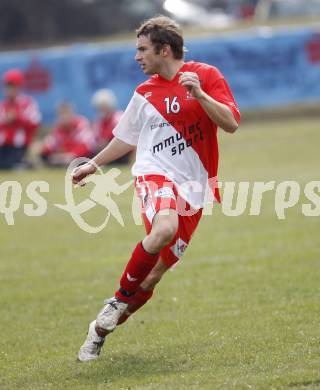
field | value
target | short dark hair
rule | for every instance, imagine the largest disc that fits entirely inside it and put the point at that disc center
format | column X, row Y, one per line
column 162, row 30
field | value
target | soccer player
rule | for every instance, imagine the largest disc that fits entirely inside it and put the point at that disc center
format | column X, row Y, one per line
column 105, row 104
column 70, row 138
column 19, row 120
column 172, row 119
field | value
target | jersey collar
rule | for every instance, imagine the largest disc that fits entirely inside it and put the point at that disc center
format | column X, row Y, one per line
column 176, row 77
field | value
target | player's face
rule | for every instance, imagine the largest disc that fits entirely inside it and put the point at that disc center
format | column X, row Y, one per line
column 65, row 115
column 10, row 91
column 146, row 56
column 104, row 110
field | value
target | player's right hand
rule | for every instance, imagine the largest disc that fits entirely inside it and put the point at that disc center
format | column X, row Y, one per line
column 80, row 173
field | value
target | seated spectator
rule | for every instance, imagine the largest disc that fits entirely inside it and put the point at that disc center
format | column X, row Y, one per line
column 105, row 103
column 19, row 120
column 70, row 138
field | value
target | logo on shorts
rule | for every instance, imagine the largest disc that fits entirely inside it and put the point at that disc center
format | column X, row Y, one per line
column 179, row 247
column 165, row 192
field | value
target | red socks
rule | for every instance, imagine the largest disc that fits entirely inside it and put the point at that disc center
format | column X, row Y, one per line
column 137, row 269
column 138, row 300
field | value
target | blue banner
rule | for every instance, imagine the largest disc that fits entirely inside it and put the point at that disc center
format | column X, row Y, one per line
column 266, row 68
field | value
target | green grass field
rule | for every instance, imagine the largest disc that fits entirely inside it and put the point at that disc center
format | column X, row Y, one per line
column 241, row 311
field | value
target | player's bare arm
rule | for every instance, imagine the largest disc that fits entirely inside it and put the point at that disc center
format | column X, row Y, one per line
column 114, row 150
column 218, row 112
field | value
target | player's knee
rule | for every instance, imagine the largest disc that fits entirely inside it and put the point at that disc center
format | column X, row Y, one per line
column 165, row 232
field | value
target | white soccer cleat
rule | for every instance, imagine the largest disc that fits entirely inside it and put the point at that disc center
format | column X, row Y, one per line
column 91, row 348
column 108, row 317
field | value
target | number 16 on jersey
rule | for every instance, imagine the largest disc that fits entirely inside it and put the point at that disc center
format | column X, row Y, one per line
column 172, row 106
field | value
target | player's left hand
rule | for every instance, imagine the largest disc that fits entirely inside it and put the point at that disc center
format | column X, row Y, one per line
column 191, row 81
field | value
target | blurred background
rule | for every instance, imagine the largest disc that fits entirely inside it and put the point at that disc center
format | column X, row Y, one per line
column 42, row 23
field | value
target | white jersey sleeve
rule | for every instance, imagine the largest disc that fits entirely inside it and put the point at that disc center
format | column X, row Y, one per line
column 131, row 122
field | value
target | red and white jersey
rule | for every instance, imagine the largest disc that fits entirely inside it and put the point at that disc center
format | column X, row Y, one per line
column 174, row 135
column 76, row 138
column 21, row 130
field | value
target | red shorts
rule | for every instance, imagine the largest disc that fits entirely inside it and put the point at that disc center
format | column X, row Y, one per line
column 157, row 193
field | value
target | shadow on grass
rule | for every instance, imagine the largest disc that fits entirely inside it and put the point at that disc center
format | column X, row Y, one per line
column 128, row 366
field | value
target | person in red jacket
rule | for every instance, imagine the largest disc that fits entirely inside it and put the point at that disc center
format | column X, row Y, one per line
column 19, row 120
column 71, row 137
column 105, row 104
